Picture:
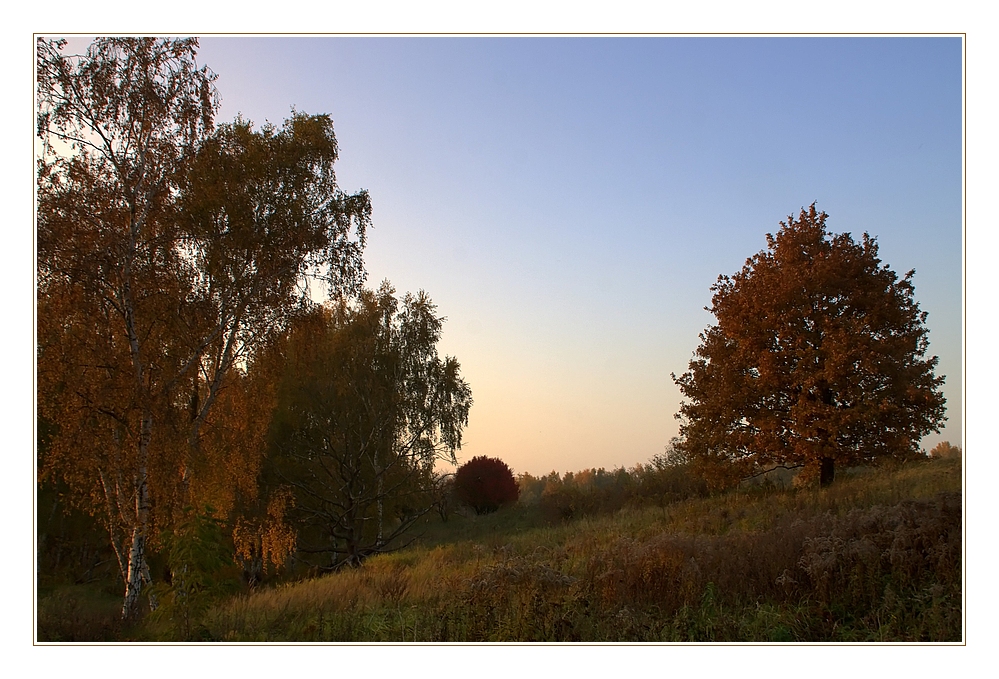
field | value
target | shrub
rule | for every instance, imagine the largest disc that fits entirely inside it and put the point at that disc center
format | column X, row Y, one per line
column 590, row 492
column 945, row 450
column 485, row 484
column 669, row 477
column 79, row 613
column 443, row 495
column 202, row 571
column 531, row 487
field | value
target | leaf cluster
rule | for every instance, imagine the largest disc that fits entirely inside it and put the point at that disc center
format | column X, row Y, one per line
column 202, row 571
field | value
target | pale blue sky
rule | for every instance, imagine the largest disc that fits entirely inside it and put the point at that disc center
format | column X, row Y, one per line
column 568, row 202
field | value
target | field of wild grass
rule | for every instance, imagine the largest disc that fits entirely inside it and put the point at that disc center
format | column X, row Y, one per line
column 875, row 557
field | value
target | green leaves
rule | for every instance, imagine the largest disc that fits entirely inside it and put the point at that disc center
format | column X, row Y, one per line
column 202, row 571
column 365, row 408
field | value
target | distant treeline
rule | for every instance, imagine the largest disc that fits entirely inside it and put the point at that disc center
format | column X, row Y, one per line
column 597, row 491
column 668, row 478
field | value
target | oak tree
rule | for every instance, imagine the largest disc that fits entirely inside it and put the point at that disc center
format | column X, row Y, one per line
column 365, row 409
column 817, row 358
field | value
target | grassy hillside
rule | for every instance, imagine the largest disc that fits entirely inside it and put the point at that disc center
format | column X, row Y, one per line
column 875, row 557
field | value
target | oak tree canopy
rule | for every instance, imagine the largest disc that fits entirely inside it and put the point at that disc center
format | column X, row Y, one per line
column 817, row 358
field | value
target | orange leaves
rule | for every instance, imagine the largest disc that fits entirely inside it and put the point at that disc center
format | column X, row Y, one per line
column 271, row 539
column 818, row 352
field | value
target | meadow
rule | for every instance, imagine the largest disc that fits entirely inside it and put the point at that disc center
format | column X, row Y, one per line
column 874, row 558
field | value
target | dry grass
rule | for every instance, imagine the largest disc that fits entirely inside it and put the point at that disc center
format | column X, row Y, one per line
column 875, row 557
column 74, row 613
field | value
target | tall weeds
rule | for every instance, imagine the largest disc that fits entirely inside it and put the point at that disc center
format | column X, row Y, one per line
column 877, row 557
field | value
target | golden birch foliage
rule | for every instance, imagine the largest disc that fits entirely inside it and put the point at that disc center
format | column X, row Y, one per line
column 946, row 450
column 232, row 442
column 169, row 250
column 272, row 538
column 128, row 111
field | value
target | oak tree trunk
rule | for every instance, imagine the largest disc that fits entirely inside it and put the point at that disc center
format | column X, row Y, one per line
column 826, row 472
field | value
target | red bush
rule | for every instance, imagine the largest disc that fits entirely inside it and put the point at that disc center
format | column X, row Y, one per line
column 485, row 483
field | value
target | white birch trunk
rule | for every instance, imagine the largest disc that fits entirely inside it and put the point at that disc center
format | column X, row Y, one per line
column 138, row 570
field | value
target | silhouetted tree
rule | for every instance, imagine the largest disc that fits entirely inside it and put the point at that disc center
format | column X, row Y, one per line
column 818, row 357
column 366, row 406
column 485, row 484
column 443, row 494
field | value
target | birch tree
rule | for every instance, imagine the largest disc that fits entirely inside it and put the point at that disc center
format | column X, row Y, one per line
column 167, row 247
column 366, row 407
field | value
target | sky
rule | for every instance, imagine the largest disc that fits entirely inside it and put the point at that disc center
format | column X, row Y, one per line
column 836, row 123
column 567, row 202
